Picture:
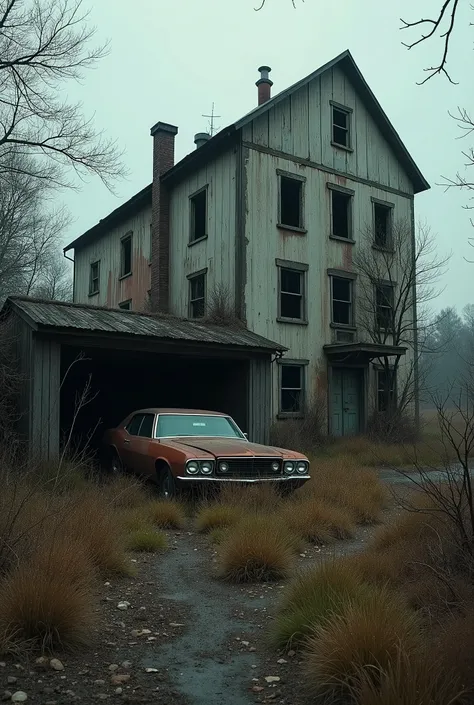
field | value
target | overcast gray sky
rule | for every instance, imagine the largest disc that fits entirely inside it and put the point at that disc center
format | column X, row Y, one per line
column 170, row 59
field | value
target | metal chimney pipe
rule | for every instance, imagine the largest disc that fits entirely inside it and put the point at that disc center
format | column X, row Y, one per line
column 264, row 85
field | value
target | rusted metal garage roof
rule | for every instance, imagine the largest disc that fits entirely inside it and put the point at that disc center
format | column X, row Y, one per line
column 50, row 315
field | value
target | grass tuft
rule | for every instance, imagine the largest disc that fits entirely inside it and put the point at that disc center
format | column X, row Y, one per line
column 368, row 634
column 218, row 535
column 166, row 514
column 146, row 540
column 217, row 516
column 259, row 498
column 49, row 600
column 259, row 548
column 316, row 521
column 312, row 597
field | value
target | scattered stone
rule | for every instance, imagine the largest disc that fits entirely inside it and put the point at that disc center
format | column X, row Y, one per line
column 124, row 605
column 56, row 664
column 118, row 691
column 42, row 662
column 102, row 696
column 120, row 678
column 291, row 653
column 272, row 679
column 151, row 670
column 2, row 664
column 282, row 660
column 99, row 681
column 176, row 624
column 126, row 664
column 113, row 667
column 245, row 643
column 6, row 695
column 19, row 697
column 258, row 688
column 11, row 680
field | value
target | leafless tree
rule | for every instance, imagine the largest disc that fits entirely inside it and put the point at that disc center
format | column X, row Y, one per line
column 44, row 44
column 395, row 284
column 30, row 235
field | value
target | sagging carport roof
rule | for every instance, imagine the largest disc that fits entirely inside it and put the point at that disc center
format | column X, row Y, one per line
column 61, row 316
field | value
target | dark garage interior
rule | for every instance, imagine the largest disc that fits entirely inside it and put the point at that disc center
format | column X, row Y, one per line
column 122, row 381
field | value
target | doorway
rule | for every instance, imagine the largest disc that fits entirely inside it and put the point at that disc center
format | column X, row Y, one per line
column 346, row 386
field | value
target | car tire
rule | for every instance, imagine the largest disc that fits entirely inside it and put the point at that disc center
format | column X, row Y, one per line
column 115, row 465
column 167, row 484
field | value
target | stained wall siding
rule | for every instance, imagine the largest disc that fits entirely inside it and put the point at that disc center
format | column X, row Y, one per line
column 260, row 399
column 301, row 125
column 18, row 334
column 44, row 397
column 217, row 251
column 266, row 242
column 114, row 290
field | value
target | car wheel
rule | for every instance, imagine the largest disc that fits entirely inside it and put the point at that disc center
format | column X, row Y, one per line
column 167, row 484
column 115, row 464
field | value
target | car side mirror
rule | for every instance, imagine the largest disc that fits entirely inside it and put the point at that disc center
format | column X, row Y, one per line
column 246, row 435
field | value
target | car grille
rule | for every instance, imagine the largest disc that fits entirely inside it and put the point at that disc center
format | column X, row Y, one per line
column 249, row 467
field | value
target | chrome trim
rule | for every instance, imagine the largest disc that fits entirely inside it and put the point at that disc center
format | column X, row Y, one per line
column 246, row 480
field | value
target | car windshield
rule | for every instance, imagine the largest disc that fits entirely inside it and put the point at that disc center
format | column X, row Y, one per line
column 170, row 425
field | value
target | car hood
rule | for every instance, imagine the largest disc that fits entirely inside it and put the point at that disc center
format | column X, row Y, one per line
column 228, row 447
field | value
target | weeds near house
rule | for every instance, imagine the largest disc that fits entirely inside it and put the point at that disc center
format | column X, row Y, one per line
column 367, row 634
column 146, row 540
column 318, row 522
column 217, row 516
column 259, row 549
column 313, row 597
column 218, row 535
column 124, row 492
column 166, row 514
column 263, row 498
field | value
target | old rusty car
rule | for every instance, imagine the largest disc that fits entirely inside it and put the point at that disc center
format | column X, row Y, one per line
column 179, row 448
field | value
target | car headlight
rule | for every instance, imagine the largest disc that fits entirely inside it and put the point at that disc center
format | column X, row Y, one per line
column 224, row 467
column 275, row 467
column 289, row 468
column 206, row 468
column 192, row 467
column 301, row 468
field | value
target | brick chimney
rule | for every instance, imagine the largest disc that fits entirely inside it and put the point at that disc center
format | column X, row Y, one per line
column 163, row 159
column 264, row 85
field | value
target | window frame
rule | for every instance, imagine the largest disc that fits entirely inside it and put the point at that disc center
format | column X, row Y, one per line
column 302, row 364
column 348, row 112
column 134, row 435
column 349, row 193
column 127, row 237
column 94, row 292
column 192, row 196
column 125, row 305
column 352, row 278
column 380, row 389
column 377, row 287
column 192, row 277
column 281, row 174
column 388, row 246
column 302, row 269
column 153, row 416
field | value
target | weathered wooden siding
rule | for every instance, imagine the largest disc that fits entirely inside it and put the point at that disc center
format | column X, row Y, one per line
column 217, row 251
column 44, row 397
column 301, row 126
column 259, row 400
column 266, row 242
column 114, row 290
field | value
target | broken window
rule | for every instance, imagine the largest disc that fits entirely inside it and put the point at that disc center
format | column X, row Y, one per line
column 341, row 126
column 386, row 389
column 94, row 278
column 198, row 215
column 384, row 306
column 197, row 295
column 291, row 294
column 291, row 389
column 341, row 301
column 126, row 305
column 341, row 214
column 291, row 202
column 126, row 255
column 382, row 224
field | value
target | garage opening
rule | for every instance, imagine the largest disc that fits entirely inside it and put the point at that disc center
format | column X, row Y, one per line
column 120, row 382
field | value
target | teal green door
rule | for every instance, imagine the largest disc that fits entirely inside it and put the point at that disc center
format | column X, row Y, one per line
column 345, row 402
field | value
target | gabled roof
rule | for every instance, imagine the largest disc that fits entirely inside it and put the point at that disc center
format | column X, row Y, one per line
column 223, row 138
column 61, row 317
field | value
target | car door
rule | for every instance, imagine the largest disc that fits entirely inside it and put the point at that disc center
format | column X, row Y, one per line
column 130, row 437
column 140, row 455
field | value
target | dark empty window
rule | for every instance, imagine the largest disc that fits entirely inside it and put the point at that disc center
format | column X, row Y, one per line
column 198, row 215
column 94, row 278
column 126, row 256
column 341, row 126
column 341, row 214
column 341, row 300
column 291, row 202
column 126, row 305
column 291, row 389
column 146, row 427
column 197, row 296
column 384, row 306
column 133, row 425
column 291, row 294
column 386, row 389
column 382, row 224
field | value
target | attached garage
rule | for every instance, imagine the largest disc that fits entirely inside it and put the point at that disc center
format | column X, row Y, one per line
column 85, row 368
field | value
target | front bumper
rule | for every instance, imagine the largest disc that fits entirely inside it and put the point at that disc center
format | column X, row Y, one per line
column 296, row 480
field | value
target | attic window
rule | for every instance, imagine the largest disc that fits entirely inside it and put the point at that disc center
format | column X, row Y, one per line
column 198, row 215
column 126, row 255
column 341, row 124
column 291, row 201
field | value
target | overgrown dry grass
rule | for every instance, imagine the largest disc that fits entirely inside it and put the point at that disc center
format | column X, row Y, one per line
column 146, row 540
column 259, row 548
column 316, row 521
column 261, row 498
column 218, row 516
column 367, row 634
column 166, row 514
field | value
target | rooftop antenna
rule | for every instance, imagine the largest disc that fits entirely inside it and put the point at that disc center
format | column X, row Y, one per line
column 212, row 117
